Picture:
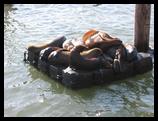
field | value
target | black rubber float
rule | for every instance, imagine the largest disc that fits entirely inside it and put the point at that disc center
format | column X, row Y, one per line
column 77, row 79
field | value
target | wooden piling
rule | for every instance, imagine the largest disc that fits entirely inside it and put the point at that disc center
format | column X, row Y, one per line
column 142, row 27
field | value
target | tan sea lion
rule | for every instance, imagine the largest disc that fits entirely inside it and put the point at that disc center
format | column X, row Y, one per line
column 100, row 40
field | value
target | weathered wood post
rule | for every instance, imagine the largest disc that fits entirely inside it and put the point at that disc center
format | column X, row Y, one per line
column 142, row 27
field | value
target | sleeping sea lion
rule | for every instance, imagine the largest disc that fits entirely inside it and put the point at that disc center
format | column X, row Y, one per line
column 100, row 40
column 62, row 57
column 79, row 62
column 36, row 48
column 59, row 57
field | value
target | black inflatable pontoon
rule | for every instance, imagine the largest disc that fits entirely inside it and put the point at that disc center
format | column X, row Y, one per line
column 76, row 79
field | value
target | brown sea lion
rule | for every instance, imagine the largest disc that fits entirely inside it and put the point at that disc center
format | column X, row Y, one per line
column 59, row 57
column 36, row 48
column 79, row 62
column 62, row 57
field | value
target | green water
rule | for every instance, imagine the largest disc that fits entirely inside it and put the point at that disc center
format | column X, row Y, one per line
column 28, row 92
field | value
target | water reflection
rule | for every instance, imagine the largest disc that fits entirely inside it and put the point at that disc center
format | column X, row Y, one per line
column 123, row 93
column 35, row 74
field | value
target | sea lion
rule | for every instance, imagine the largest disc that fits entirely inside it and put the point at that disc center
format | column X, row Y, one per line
column 79, row 62
column 100, row 40
column 62, row 57
column 36, row 48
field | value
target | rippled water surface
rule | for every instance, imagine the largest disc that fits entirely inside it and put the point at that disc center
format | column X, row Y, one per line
column 28, row 92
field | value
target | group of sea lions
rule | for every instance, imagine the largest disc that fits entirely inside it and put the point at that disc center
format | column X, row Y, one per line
column 95, row 50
